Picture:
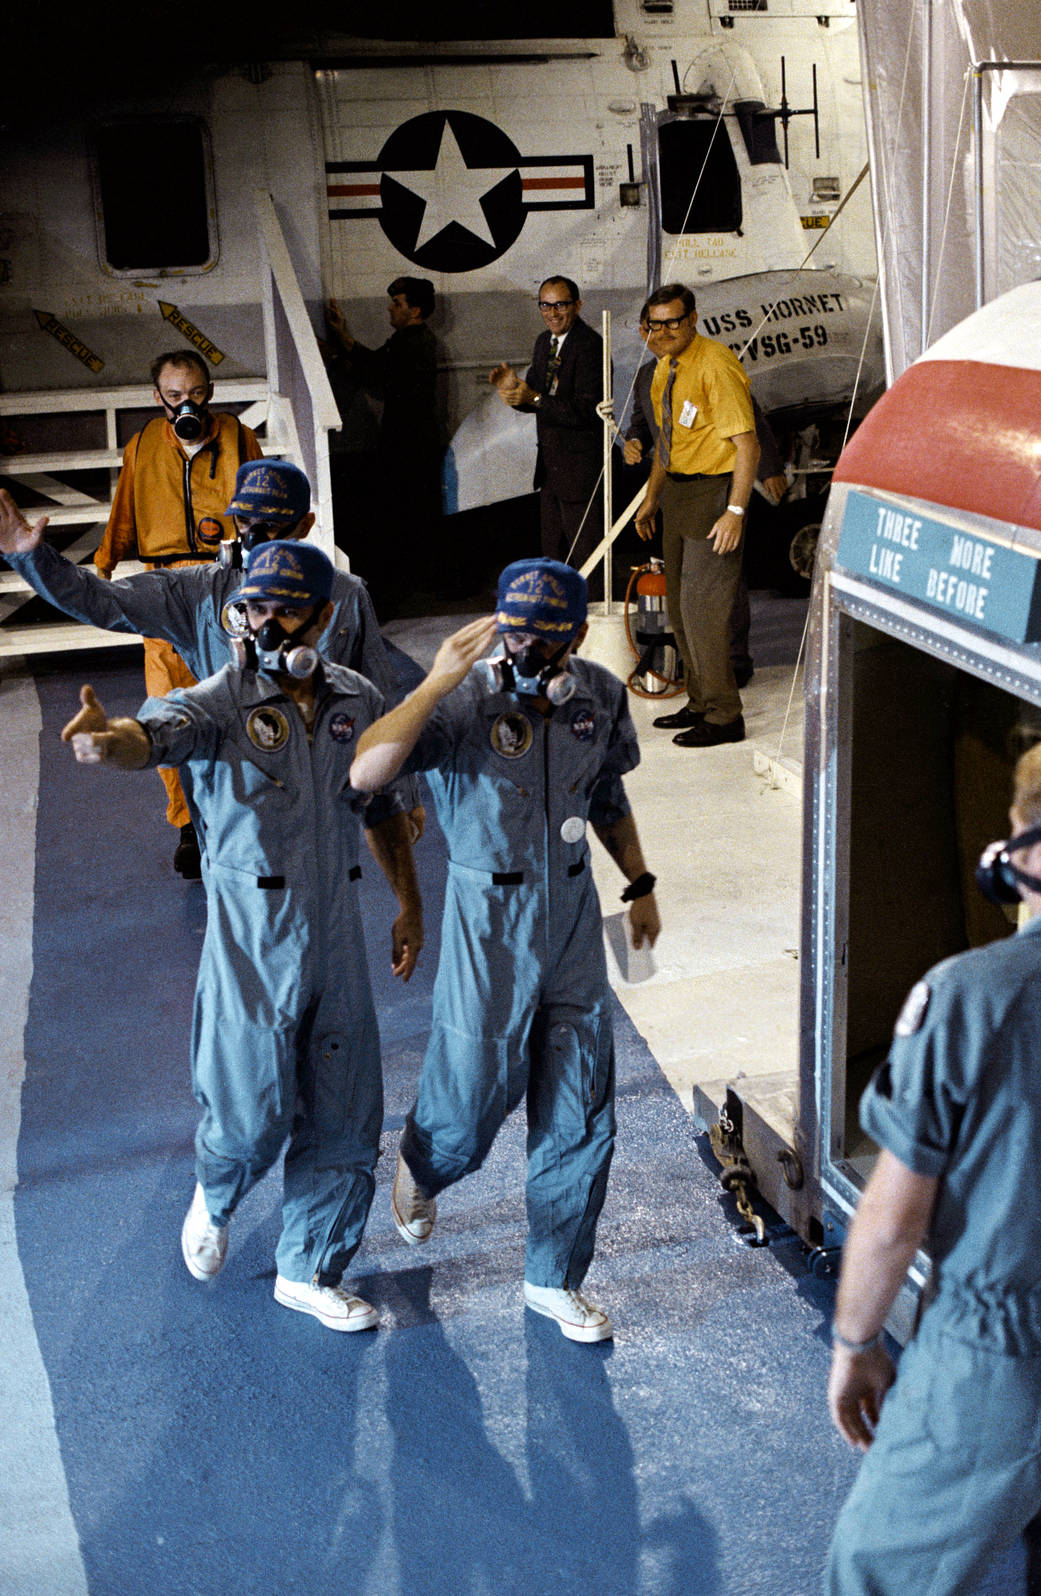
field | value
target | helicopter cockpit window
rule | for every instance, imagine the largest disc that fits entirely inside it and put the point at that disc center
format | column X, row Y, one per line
column 700, row 185
column 153, row 193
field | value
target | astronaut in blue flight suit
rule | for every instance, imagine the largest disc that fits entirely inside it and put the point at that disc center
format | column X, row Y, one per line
column 953, row 1468
column 284, row 1038
column 196, row 607
column 520, row 753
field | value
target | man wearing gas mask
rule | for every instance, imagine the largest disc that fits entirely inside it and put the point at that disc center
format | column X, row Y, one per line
column 284, row 1038
column 521, row 752
column 168, row 510
column 952, row 1474
column 194, row 608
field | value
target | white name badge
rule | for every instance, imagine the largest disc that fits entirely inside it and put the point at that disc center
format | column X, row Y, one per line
column 688, row 413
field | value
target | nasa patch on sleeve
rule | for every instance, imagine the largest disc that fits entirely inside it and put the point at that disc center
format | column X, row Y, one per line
column 913, row 1012
column 341, row 728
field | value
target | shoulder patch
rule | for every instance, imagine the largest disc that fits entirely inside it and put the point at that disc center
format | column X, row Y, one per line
column 914, row 1010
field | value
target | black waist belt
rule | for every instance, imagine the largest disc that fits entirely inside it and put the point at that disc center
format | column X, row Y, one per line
column 515, row 878
column 272, row 883
column 696, row 476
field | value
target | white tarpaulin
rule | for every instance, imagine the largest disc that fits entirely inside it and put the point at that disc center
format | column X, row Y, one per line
column 953, row 101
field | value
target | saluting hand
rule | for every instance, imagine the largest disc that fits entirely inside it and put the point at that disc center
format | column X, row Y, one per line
column 458, row 652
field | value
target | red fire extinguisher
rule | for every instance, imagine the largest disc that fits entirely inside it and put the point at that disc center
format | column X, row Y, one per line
column 658, row 673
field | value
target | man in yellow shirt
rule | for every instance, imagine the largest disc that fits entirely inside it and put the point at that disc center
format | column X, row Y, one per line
column 702, row 478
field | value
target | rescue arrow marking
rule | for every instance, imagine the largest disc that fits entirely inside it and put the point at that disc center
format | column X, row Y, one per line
column 171, row 314
column 68, row 340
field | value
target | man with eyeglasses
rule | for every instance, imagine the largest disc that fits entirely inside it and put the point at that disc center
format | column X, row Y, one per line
column 195, row 609
column 563, row 386
column 701, row 477
column 641, row 438
column 168, row 509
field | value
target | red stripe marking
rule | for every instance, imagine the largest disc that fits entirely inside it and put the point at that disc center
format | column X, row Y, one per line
column 553, row 182
column 352, row 190
column 963, row 433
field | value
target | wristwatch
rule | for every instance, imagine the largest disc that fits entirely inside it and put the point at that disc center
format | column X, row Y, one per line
column 537, row 401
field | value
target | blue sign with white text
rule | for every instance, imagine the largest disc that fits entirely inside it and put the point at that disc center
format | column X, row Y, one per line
column 965, row 576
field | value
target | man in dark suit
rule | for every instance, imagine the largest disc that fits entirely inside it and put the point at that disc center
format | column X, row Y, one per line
column 563, row 386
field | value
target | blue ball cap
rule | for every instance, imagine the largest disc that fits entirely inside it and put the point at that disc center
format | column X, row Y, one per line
column 272, row 491
column 541, row 596
column 287, row 572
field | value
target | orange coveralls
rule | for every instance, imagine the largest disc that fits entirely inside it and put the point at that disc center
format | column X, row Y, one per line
column 168, row 510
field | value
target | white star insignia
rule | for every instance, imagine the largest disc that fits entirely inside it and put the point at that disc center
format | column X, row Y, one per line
column 452, row 191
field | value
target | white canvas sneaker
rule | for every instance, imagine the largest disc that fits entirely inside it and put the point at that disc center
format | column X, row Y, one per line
column 578, row 1318
column 333, row 1306
column 204, row 1245
column 412, row 1214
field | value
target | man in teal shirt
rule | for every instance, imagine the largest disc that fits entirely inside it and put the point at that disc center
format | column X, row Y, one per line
column 953, row 1468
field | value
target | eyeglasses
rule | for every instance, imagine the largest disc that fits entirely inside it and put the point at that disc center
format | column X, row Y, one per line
column 555, row 304
column 673, row 323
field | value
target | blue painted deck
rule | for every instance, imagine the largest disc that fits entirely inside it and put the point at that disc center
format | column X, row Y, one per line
column 214, row 1443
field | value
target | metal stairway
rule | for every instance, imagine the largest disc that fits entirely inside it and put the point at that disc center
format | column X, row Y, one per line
column 291, row 410
column 56, row 478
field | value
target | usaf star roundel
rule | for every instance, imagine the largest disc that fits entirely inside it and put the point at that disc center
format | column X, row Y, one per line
column 451, row 191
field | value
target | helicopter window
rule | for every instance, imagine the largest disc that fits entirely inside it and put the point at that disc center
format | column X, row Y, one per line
column 700, row 186
column 153, row 185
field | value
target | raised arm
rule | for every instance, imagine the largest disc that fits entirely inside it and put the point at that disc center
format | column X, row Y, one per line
column 152, row 604
column 385, row 745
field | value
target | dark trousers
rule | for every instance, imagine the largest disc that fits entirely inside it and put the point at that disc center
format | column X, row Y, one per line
column 700, row 590
column 565, row 520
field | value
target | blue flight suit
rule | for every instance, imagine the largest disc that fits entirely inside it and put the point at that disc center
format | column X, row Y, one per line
column 284, row 1038
column 185, row 606
column 521, row 1000
column 954, row 1473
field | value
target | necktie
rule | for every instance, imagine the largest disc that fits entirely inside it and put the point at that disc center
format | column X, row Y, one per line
column 553, row 365
column 665, row 437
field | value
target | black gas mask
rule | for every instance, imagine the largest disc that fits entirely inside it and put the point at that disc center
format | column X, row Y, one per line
column 273, row 651
column 997, row 877
column 231, row 551
column 187, row 419
column 530, row 672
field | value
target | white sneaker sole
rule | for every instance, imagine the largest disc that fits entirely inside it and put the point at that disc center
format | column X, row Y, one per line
column 575, row 1332
column 360, row 1321
column 192, row 1266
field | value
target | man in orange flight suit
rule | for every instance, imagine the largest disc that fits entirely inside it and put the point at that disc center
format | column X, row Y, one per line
column 177, row 479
